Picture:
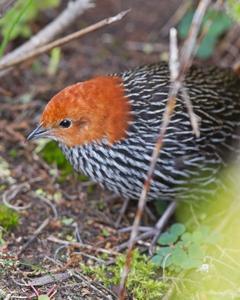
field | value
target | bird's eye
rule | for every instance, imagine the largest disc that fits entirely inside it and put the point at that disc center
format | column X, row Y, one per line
column 65, row 123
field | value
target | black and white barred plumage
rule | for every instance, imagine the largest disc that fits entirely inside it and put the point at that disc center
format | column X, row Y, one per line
column 186, row 164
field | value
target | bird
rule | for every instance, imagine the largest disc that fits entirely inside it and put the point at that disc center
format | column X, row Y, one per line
column 107, row 127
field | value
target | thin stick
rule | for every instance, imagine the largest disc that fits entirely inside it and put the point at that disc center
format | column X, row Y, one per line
column 186, row 59
column 36, row 233
column 61, row 41
column 122, row 212
column 189, row 47
column 49, row 203
column 79, row 245
column 174, row 55
column 91, row 284
column 47, row 34
column 152, row 232
column 11, row 194
column 82, row 278
column 140, row 228
column 193, row 117
column 161, row 224
column 48, row 279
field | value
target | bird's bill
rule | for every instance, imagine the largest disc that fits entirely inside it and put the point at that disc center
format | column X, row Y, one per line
column 38, row 132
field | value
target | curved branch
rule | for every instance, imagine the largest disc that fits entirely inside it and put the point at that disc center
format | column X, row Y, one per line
column 47, row 34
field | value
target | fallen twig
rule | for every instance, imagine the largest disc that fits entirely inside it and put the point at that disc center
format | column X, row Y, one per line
column 151, row 232
column 177, row 75
column 58, row 25
column 193, row 118
column 92, row 286
column 98, row 260
column 47, row 279
column 14, row 190
column 146, row 47
column 77, row 234
column 61, row 41
column 49, row 203
column 140, row 228
column 79, row 245
column 10, row 194
column 122, row 212
column 162, row 223
column 139, row 240
column 36, row 233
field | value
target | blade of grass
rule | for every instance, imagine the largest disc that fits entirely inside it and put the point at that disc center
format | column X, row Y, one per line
column 7, row 36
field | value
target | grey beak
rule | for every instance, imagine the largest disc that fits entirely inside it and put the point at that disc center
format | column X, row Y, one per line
column 38, row 132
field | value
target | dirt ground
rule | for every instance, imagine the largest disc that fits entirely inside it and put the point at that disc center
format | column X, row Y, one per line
column 71, row 209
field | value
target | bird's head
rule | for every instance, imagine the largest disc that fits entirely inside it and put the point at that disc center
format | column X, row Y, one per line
column 86, row 112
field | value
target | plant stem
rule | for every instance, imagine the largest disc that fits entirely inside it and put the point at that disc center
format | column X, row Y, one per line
column 7, row 36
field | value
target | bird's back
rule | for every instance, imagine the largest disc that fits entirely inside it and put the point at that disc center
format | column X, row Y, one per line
column 185, row 161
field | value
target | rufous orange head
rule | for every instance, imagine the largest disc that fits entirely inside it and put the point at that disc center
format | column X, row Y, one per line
column 86, row 112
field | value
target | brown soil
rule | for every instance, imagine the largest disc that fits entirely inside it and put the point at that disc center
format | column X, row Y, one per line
column 84, row 206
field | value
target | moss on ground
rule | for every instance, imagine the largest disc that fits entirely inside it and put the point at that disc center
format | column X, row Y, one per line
column 9, row 219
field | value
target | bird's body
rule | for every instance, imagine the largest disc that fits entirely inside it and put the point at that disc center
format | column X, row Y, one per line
column 120, row 161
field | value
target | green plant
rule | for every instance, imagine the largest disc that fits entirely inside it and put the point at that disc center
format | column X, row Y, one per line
column 144, row 279
column 51, row 153
column 16, row 22
column 2, row 242
column 220, row 23
column 218, row 276
column 181, row 250
column 54, row 61
column 6, row 264
column 233, row 8
column 9, row 219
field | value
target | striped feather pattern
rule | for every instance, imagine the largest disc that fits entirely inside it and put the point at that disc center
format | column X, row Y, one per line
column 187, row 165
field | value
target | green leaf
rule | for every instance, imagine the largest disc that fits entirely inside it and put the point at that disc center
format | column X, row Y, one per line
column 233, row 8
column 200, row 235
column 67, row 221
column 43, row 4
column 179, row 256
column 188, row 258
column 105, row 232
column 195, row 252
column 54, row 62
column 162, row 258
column 43, row 297
column 167, row 238
column 17, row 21
column 7, row 35
column 52, row 154
column 191, row 263
column 220, row 23
column 172, row 235
column 186, row 237
column 177, row 229
column 184, row 25
column 160, row 206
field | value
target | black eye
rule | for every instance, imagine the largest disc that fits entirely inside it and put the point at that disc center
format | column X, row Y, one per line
column 65, row 123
